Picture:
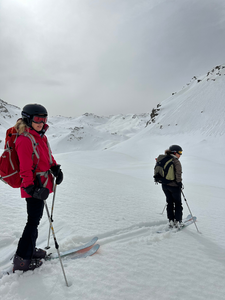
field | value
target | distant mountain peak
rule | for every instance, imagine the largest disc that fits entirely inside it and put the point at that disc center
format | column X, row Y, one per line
column 211, row 75
column 198, row 107
column 8, row 110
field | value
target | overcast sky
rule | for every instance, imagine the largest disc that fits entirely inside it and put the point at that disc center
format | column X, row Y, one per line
column 105, row 56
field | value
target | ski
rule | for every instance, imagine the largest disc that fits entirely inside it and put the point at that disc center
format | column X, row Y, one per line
column 90, row 252
column 77, row 254
column 80, row 249
column 188, row 221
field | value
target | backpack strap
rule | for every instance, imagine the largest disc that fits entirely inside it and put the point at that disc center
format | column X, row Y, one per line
column 49, row 152
column 45, row 174
column 34, row 144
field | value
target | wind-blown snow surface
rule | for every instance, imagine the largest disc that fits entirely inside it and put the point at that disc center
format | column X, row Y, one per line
column 110, row 193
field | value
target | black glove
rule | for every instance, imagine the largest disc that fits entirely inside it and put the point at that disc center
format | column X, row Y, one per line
column 57, row 172
column 180, row 185
column 40, row 193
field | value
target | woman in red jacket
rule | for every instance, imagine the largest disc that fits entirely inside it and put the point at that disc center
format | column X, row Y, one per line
column 36, row 161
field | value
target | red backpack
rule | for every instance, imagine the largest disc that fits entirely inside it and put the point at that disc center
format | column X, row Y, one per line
column 9, row 161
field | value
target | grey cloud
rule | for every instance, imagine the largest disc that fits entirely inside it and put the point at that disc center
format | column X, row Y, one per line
column 115, row 56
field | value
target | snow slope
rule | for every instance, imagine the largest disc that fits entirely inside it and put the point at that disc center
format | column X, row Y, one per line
column 110, row 193
column 8, row 116
column 91, row 132
column 193, row 109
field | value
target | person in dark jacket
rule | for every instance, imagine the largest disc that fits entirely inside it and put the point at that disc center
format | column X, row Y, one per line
column 172, row 190
column 34, row 161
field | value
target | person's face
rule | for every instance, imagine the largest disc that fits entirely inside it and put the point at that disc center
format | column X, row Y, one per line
column 37, row 126
column 178, row 155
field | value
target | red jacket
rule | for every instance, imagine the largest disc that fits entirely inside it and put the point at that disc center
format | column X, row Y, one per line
column 28, row 160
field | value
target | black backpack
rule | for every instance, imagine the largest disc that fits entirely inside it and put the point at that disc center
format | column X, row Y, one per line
column 164, row 169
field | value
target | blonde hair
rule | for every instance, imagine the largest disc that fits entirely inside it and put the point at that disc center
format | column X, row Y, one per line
column 20, row 126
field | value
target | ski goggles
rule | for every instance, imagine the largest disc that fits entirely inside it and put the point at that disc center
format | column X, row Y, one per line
column 39, row 119
column 179, row 152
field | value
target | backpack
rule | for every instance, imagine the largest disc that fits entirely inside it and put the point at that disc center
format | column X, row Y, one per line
column 164, row 169
column 9, row 161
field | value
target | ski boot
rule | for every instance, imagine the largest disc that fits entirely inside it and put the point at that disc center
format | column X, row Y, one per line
column 179, row 224
column 24, row 265
column 171, row 224
column 39, row 253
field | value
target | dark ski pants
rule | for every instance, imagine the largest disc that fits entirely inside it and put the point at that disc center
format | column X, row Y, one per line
column 174, row 203
column 27, row 242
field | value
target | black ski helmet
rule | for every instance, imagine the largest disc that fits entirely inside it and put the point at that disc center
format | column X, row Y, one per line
column 176, row 149
column 31, row 110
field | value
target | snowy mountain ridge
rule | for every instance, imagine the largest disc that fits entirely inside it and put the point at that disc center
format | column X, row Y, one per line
column 197, row 107
column 86, row 132
column 91, row 132
column 8, row 114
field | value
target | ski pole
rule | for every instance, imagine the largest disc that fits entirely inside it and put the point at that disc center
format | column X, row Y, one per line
column 53, row 232
column 56, row 244
column 53, row 201
column 163, row 209
column 190, row 211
